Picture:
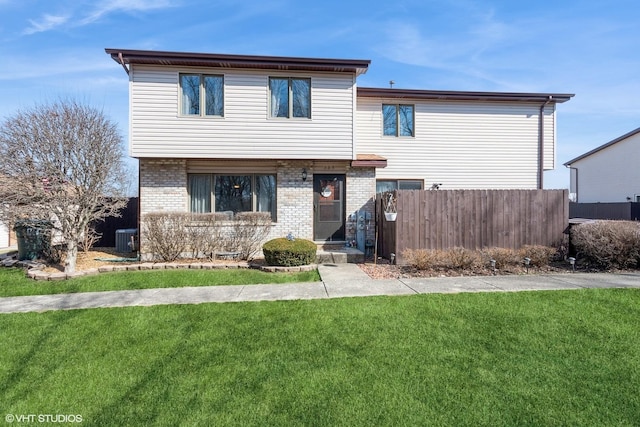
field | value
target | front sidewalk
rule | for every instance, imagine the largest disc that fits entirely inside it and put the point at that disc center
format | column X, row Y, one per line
column 338, row 281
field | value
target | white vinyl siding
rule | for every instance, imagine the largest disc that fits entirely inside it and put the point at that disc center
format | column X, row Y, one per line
column 246, row 131
column 549, row 161
column 611, row 174
column 470, row 145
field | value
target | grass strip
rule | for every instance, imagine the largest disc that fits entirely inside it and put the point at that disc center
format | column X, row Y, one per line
column 14, row 283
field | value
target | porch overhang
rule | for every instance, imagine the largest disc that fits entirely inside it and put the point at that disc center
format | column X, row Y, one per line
column 369, row 161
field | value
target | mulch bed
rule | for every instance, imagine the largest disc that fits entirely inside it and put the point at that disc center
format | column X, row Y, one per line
column 384, row 270
column 87, row 260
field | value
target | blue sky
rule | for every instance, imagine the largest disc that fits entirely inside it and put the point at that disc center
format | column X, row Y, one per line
column 55, row 48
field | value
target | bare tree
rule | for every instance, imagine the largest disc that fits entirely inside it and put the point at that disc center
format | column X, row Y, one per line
column 61, row 162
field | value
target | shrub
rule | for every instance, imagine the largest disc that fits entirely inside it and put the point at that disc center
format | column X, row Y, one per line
column 608, row 244
column 208, row 234
column 170, row 235
column 562, row 248
column 466, row 259
column 539, row 255
column 249, row 231
column 461, row 258
column 166, row 234
column 421, row 259
column 503, row 257
column 287, row 253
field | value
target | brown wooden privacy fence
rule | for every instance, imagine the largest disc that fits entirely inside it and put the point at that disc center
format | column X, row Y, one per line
column 472, row 219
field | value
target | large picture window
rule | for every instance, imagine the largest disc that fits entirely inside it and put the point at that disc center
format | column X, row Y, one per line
column 201, row 95
column 398, row 120
column 232, row 193
column 290, row 97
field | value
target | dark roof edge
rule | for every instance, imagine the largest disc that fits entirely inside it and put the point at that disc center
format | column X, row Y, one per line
column 463, row 95
column 603, row 146
column 228, row 60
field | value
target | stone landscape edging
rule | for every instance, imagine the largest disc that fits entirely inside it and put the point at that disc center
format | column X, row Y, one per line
column 34, row 270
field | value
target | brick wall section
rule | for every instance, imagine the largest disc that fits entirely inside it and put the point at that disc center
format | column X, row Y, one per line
column 163, row 188
column 163, row 185
column 361, row 190
column 295, row 200
column 295, row 197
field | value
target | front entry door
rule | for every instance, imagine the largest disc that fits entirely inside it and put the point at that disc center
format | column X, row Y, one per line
column 329, row 207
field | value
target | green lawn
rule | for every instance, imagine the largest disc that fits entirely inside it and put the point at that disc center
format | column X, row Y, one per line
column 492, row 359
column 13, row 282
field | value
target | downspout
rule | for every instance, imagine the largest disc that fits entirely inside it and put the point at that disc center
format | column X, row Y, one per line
column 121, row 59
column 541, row 142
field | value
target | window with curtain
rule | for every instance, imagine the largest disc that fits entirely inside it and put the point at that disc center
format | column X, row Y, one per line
column 290, row 97
column 233, row 193
column 200, row 193
column 202, row 95
column 266, row 194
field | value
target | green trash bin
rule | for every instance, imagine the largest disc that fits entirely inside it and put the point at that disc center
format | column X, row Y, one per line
column 34, row 238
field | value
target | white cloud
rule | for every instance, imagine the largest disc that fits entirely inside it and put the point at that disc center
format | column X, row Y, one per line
column 46, row 23
column 105, row 7
column 463, row 55
column 110, row 6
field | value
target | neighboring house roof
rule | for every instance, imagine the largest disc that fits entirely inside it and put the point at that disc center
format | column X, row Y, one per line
column 372, row 92
column 125, row 56
column 603, row 146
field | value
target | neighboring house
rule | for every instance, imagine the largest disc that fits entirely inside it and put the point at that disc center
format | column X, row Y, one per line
column 298, row 138
column 608, row 173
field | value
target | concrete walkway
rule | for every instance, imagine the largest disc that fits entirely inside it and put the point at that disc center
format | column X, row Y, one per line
column 338, row 281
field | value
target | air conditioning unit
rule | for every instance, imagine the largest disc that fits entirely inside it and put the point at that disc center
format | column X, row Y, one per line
column 126, row 240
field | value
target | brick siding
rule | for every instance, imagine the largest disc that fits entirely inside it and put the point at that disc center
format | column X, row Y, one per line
column 163, row 188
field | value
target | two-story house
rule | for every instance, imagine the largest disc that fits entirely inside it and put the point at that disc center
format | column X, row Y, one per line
column 298, row 138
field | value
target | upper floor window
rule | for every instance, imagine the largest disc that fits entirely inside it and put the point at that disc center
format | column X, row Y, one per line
column 398, row 120
column 201, row 95
column 290, row 97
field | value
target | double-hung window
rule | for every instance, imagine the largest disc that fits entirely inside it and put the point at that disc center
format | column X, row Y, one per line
column 232, row 193
column 290, row 97
column 398, row 119
column 201, row 95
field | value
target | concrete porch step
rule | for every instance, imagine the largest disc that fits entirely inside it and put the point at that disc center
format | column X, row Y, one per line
column 339, row 255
